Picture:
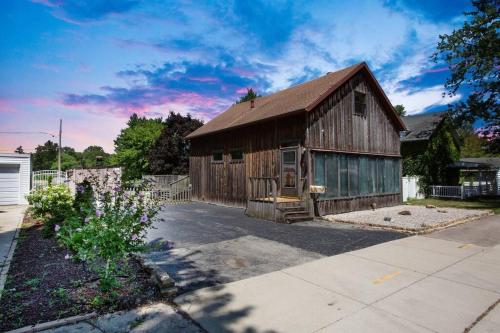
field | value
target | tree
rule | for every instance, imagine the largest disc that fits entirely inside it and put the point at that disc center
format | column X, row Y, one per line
column 471, row 53
column 170, row 154
column 68, row 161
column 45, row 155
column 95, row 156
column 133, row 144
column 249, row 96
column 19, row 150
column 400, row 110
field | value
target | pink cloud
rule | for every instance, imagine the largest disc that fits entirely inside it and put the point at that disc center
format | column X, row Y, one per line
column 437, row 70
column 241, row 90
column 204, row 79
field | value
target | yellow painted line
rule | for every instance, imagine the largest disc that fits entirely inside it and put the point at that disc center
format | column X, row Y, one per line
column 386, row 277
column 465, row 246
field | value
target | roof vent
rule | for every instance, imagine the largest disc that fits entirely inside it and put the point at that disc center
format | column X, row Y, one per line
column 252, row 103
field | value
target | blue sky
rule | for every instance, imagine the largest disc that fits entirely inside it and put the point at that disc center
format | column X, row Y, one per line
column 93, row 63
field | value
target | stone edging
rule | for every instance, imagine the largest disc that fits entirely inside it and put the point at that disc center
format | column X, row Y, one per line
column 160, row 278
column 54, row 323
column 13, row 244
column 416, row 231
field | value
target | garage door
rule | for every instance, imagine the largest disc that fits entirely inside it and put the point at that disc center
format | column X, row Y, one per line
column 9, row 184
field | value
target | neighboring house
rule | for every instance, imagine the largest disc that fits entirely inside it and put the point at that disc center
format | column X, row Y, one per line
column 420, row 129
column 339, row 131
column 15, row 177
column 479, row 171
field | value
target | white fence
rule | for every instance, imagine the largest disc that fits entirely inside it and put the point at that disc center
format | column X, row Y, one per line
column 43, row 178
column 463, row 191
column 411, row 190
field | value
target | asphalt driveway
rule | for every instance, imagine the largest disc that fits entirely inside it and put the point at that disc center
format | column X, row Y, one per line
column 201, row 245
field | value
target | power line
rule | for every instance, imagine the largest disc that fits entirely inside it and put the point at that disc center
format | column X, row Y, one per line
column 24, row 132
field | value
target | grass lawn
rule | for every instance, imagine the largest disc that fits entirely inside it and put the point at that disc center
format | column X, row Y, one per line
column 492, row 203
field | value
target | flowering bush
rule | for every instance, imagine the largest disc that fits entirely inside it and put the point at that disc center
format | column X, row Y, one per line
column 51, row 205
column 113, row 226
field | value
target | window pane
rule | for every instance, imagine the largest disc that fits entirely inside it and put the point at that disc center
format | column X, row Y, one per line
column 236, row 155
column 289, row 157
column 353, row 175
column 373, row 175
column 388, row 177
column 319, row 169
column 217, row 156
column 332, row 177
column 344, row 190
column 380, row 175
column 363, row 175
column 359, row 103
column 397, row 176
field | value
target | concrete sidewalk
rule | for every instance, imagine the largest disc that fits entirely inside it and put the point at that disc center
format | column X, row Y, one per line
column 416, row 284
column 11, row 218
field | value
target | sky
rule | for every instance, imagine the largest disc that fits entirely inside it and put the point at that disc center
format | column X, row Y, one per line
column 94, row 63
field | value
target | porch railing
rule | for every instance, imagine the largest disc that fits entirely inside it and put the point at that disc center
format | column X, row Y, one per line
column 462, row 191
column 263, row 197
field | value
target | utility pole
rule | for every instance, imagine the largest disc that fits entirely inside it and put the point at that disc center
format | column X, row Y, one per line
column 60, row 148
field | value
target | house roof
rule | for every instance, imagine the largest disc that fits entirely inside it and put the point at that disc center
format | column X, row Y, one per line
column 300, row 98
column 493, row 162
column 421, row 127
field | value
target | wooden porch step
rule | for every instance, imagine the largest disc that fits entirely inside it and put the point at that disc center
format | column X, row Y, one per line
column 300, row 215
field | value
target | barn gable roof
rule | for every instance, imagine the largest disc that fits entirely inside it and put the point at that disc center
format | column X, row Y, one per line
column 300, row 98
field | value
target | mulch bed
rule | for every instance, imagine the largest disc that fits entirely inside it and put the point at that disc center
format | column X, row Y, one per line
column 42, row 285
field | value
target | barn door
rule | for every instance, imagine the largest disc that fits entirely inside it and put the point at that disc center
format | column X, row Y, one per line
column 289, row 172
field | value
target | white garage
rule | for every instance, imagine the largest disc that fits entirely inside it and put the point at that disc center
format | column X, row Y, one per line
column 15, row 177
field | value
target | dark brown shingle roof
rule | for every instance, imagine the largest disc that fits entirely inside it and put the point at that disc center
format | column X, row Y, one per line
column 302, row 97
column 421, row 126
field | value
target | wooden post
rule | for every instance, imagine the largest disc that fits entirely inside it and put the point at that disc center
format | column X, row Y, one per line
column 274, row 189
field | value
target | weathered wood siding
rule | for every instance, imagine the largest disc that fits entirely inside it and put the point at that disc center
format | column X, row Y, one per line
column 226, row 182
column 333, row 126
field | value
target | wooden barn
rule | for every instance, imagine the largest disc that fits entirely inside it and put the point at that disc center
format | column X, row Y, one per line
column 337, row 135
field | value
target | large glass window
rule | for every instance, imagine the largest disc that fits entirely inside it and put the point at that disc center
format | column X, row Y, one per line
column 350, row 175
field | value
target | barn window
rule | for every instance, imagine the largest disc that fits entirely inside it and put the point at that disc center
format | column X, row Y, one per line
column 359, row 104
column 217, row 156
column 350, row 175
column 236, row 155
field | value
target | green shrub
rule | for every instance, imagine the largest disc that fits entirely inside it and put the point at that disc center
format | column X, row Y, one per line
column 51, row 205
column 115, row 226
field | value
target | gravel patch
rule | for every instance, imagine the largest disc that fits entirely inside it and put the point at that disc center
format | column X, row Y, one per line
column 409, row 218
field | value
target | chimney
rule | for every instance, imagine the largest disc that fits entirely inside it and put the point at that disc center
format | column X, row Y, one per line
column 252, row 103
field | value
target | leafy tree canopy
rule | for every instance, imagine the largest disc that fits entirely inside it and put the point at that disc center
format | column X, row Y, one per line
column 400, row 110
column 133, row 144
column 45, row 155
column 170, row 154
column 249, row 96
column 472, row 54
column 95, row 156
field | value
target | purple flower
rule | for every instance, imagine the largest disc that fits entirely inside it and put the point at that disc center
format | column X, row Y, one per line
column 57, row 227
column 80, row 189
column 144, row 218
column 98, row 213
column 134, row 237
column 141, row 195
column 87, row 219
